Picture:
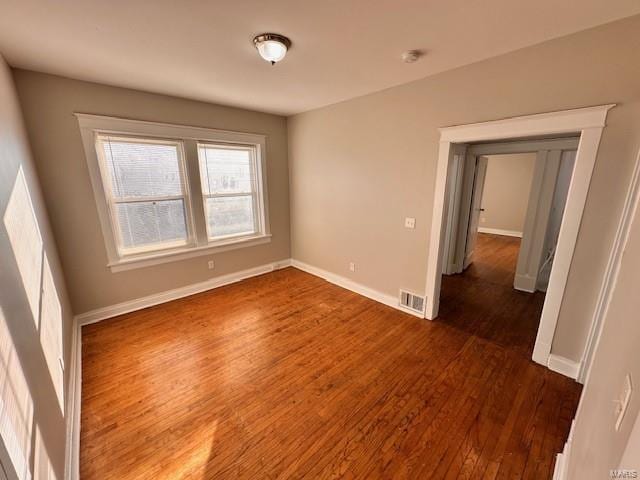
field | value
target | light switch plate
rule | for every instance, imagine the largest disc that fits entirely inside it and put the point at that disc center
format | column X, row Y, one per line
column 410, row 222
column 352, row 266
column 623, row 401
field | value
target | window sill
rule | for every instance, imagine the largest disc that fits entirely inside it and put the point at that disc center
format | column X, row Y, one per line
column 184, row 253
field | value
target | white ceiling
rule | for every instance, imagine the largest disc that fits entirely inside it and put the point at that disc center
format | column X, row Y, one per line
column 341, row 48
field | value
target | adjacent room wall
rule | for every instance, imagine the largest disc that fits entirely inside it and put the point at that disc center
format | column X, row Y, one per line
column 597, row 447
column 358, row 168
column 34, row 309
column 49, row 103
column 506, row 192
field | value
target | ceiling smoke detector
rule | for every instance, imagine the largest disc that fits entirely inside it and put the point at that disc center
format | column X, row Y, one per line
column 272, row 46
column 411, row 56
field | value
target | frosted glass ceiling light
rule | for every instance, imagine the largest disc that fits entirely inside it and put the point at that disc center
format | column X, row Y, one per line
column 271, row 46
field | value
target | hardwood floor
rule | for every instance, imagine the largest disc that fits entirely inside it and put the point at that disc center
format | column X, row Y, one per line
column 483, row 302
column 288, row 376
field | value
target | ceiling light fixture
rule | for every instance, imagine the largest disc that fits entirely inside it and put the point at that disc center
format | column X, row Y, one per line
column 271, row 46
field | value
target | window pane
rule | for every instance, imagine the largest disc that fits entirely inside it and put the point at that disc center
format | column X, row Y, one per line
column 152, row 223
column 142, row 169
column 225, row 170
column 230, row 216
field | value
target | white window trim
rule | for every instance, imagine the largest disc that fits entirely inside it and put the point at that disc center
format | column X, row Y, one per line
column 91, row 125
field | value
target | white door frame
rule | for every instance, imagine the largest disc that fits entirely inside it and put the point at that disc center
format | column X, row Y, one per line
column 588, row 123
column 481, row 165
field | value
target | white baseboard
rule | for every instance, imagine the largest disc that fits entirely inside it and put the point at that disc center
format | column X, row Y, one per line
column 499, row 231
column 163, row 297
column 541, row 352
column 349, row 284
column 564, row 366
column 525, row 283
column 561, row 469
column 74, row 389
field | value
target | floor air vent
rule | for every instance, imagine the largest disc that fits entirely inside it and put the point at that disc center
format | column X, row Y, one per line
column 412, row 301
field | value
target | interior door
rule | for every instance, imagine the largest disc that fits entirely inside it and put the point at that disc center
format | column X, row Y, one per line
column 476, row 208
column 452, row 207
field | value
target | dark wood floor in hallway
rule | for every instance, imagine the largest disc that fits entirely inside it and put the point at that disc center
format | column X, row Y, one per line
column 483, row 302
column 288, row 376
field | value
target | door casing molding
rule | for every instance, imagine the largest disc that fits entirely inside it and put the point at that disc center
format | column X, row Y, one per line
column 588, row 123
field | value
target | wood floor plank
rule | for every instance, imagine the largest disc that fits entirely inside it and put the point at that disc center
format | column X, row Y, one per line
column 288, row 376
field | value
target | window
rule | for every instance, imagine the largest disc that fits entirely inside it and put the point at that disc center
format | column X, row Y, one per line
column 148, row 177
column 228, row 174
column 145, row 188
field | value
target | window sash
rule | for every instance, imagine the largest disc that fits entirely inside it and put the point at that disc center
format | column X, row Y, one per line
column 257, row 209
column 256, row 216
column 113, row 200
column 149, row 247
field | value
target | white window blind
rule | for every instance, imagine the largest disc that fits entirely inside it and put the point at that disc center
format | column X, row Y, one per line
column 229, row 186
column 145, row 189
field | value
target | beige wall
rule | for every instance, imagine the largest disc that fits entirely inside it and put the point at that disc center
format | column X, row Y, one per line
column 49, row 102
column 506, row 191
column 24, row 373
column 631, row 456
column 359, row 167
column 597, row 447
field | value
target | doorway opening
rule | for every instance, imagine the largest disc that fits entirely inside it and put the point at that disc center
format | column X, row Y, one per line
column 504, row 210
column 585, row 123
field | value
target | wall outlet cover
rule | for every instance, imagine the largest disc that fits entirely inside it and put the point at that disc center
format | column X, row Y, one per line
column 623, row 401
column 410, row 222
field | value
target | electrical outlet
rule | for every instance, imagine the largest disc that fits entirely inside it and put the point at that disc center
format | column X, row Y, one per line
column 352, row 266
column 410, row 222
column 211, row 264
column 623, row 401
